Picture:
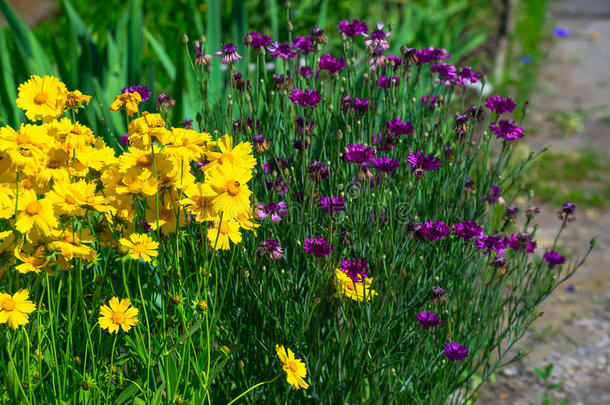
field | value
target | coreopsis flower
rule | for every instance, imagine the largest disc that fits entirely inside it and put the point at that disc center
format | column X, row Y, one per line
column 358, row 153
column 506, row 129
column 129, row 101
column 317, row 171
column 14, row 309
column 356, row 269
column 228, row 54
column 141, row 89
column 32, row 211
column 31, row 262
column 75, row 198
column 272, row 248
column 385, row 164
column 256, row 40
column 303, row 44
column 306, row 98
column 118, row 314
column 377, row 39
column 276, row 211
column 428, row 319
column 227, row 185
column 197, row 202
column 430, row 230
column 567, row 212
column 354, row 28
column 468, row 230
column 295, row 369
column 500, row 105
column 318, row 246
column 385, row 82
column 422, row 163
column 42, row 98
column 357, row 291
column 223, row 151
column 281, row 50
column 76, row 98
column 332, row 204
column 223, row 232
column 72, row 244
column 455, row 351
column 140, row 246
column 554, row 259
column 331, row 64
column 489, row 243
column 399, row 127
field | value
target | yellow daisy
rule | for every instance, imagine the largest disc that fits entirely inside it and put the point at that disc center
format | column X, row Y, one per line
column 197, row 202
column 222, row 152
column 15, row 309
column 118, row 314
column 295, row 369
column 76, row 98
column 140, row 246
column 220, row 235
column 128, row 100
column 42, row 98
column 358, row 291
column 227, row 186
column 31, row 210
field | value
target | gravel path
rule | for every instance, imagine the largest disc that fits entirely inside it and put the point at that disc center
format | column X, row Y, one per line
column 574, row 332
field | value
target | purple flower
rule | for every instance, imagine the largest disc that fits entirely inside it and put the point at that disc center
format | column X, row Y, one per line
column 385, row 82
column 228, row 53
column 138, row 88
column 438, row 293
column 468, row 230
column 282, row 51
column 567, row 212
column 422, row 163
column 358, row 153
column 332, row 64
column 500, row 105
column 187, row 123
column 256, row 40
column 455, row 351
column 400, row 127
column 467, row 75
column 521, row 241
column 493, row 196
column 305, row 72
column 430, row 230
column 428, row 319
column 332, row 204
column 507, row 130
column 430, row 55
column 356, row 269
column 306, row 98
column 385, row 164
column 303, row 44
column 510, row 213
column 317, row 171
column 395, row 60
column 354, row 28
column 275, row 210
column 361, row 105
column 499, row 262
column 488, row 243
column 318, row 246
column 431, row 101
column 561, row 32
column 384, row 141
column 554, row 259
column 377, row 39
column 125, row 139
column 446, row 72
column 272, row 248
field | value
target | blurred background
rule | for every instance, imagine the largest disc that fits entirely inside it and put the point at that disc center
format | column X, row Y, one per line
column 554, row 54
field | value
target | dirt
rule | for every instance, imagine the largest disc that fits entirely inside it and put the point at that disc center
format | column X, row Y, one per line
column 574, row 332
column 32, row 11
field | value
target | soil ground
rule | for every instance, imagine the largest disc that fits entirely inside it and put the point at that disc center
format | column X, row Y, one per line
column 574, row 332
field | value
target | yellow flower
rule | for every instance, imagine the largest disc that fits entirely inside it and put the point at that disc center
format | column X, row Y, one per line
column 76, row 98
column 227, row 186
column 71, row 245
column 219, row 236
column 295, row 369
column 42, row 98
column 15, row 309
column 222, row 152
column 186, row 144
column 33, row 211
column 145, row 129
column 76, row 198
column 140, row 246
column 31, row 262
column 358, row 291
column 118, row 314
column 128, row 100
column 197, row 202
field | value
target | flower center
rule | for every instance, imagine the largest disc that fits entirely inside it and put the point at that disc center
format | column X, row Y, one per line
column 145, row 160
column 233, row 187
column 53, row 164
column 41, row 98
column 70, row 199
column 118, row 318
column 226, row 158
column 33, row 208
column 225, row 228
column 293, row 366
column 9, row 304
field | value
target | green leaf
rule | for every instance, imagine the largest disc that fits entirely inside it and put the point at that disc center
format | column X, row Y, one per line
column 164, row 58
column 134, row 43
column 8, row 87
